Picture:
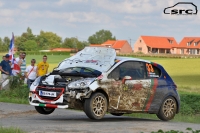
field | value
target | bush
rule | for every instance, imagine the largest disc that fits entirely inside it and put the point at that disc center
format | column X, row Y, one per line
column 140, row 54
column 18, row 92
column 190, row 104
column 45, row 53
column 176, row 131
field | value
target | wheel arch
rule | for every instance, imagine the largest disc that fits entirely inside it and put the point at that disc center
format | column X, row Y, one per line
column 177, row 103
column 103, row 92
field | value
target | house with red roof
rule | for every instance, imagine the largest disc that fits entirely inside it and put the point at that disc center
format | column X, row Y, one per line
column 120, row 46
column 189, row 45
column 156, row 44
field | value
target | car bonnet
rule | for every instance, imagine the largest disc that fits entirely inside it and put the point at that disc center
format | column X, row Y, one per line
column 98, row 58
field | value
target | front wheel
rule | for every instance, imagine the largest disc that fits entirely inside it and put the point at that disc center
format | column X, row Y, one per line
column 95, row 107
column 44, row 110
column 168, row 109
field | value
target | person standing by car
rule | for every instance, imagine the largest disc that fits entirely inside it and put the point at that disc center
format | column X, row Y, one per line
column 5, row 68
column 42, row 67
column 31, row 73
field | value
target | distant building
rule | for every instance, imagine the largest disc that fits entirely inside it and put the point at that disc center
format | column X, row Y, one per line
column 155, row 44
column 189, row 45
column 120, row 46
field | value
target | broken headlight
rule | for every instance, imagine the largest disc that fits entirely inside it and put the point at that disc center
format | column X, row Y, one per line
column 81, row 84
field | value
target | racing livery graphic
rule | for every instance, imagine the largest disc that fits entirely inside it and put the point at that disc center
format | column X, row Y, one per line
column 97, row 81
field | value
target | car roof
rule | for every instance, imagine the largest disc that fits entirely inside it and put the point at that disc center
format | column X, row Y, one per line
column 121, row 58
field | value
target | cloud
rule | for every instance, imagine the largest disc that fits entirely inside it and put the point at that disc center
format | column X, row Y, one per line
column 1, row 4
column 6, row 21
column 24, row 5
column 62, row 2
column 129, row 24
column 9, row 12
column 90, row 17
column 132, row 7
column 137, row 17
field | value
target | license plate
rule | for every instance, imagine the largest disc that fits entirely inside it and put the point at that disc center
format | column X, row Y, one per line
column 47, row 93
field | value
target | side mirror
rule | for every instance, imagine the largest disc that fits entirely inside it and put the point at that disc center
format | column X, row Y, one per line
column 126, row 78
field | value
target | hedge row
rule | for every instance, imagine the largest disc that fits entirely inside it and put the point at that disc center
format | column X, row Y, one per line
column 190, row 104
column 45, row 53
column 160, row 55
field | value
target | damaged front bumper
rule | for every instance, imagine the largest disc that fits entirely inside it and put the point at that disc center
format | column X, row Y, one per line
column 36, row 100
column 49, row 105
column 55, row 97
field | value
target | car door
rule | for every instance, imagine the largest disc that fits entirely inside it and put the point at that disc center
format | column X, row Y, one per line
column 132, row 93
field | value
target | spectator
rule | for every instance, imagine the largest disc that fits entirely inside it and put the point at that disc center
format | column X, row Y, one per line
column 31, row 73
column 43, row 67
column 5, row 68
column 22, row 63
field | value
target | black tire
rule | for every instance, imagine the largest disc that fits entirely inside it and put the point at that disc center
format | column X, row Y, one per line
column 44, row 110
column 168, row 109
column 117, row 114
column 95, row 107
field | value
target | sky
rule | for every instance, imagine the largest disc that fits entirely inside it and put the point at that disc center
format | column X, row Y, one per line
column 126, row 19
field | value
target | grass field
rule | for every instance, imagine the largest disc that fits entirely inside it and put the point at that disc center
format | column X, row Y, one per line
column 185, row 72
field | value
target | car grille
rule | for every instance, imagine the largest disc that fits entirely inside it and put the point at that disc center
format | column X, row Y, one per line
column 59, row 92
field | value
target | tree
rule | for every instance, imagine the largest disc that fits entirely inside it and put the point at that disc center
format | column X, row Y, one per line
column 100, row 37
column 48, row 40
column 30, row 45
column 26, row 36
column 73, row 42
column 2, row 46
column 70, row 42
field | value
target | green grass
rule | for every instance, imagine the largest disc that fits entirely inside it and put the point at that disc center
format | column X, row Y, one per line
column 10, row 130
column 53, row 60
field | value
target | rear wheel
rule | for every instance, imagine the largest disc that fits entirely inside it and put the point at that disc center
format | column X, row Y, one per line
column 117, row 114
column 168, row 109
column 96, row 106
column 44, row 110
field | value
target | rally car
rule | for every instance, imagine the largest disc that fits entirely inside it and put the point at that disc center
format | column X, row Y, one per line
column 97, row 81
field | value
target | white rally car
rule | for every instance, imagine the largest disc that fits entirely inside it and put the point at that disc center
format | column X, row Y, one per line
column 96, row 81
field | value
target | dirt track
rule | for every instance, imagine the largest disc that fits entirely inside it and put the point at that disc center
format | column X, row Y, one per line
column 61, row 121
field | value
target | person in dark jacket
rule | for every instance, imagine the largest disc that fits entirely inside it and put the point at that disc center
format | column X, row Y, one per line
column 5, row 68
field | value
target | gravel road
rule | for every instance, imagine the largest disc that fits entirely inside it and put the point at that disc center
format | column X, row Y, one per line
column 61, row 121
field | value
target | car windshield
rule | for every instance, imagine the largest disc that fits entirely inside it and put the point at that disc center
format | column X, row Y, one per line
column 81, row 70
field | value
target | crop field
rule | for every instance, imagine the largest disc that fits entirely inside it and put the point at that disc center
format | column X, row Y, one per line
column 185, row 72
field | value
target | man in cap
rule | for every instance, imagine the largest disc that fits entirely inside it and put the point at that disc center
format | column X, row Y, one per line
column 5, row 68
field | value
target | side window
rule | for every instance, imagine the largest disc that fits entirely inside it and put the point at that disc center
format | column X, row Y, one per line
column 134, row 69
column 153, row 71
column 115, row 74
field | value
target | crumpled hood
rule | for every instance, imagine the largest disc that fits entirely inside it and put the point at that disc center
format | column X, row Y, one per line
column 98, row 58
